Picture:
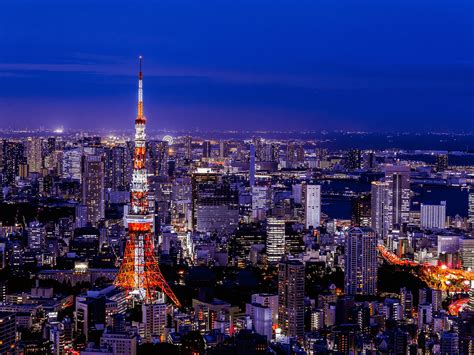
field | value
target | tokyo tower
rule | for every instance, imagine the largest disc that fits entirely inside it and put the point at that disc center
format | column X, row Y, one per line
column 139, row 273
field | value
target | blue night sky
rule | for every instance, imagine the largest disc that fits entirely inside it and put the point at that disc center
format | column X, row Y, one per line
column 244, row 64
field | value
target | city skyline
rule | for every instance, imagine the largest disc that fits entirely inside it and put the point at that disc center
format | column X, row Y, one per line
column 306, row 66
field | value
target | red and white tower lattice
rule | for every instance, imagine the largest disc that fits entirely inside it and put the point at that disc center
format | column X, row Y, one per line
column 139, row 273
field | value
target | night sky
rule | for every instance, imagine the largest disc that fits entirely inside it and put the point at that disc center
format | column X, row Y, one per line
column 405, row 65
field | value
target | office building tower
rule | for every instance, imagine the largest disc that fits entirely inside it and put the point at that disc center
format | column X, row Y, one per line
column 353, row 160
column 93, row 194
column 206, row 149
column 361, row 210
column 80, row 220
column 312, row 206
column 34, row 154
column 360, row 275
column 116, row 168
column 223, row 149
column 470, row 212
column 406, row 300
column 268, row 300
column 261, row 319
column 188, row 148
column 317, row 319
column 291, row 281
column 154, row 319
column 7, row 333
column 275, row 239
column 36, row 235
column 158, row 157
column 425, row 315
column 398, row 179
column 449, row 343
column 252, row 166
column 71, row 164
column 466, row 249
column 216, row 206
column 379, row 207
column 441, row 162
column 13, row 156
column 448, row 244
column 433, row 216
column 260, row 202
column 121, row 343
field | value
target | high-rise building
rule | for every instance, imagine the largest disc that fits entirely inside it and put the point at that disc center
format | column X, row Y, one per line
column 260, row 202
column 71, row 164
column 206, row 149
column 433, row 216
column 466, row 249
column 252, row 166
column 313, row 206
column 441, row 162
column 291, row 280
column 154, row 320
column 361, row 211
column 93, row 193
column 398, row 179
column 275, row 239
column 360, row 275
column 379, row 207
column 470, row 212
column 261, row 319
column 223, row 149
column 425, row 315
column 36, row 235
column 13, row 156
column 353, row 159
column 449, row 343
column 188, row 148
column 116, row 168
column 406, row 300
column 34, row 154
column 7, row 333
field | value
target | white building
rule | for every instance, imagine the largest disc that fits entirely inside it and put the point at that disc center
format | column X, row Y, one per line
column 275, row 239
column 313, row 206
column 433, row 216
column 262, row 319
column 259, row 202
column 466, row 249
column 154, row 320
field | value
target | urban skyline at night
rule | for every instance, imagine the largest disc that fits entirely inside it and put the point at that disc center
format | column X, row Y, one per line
column 240, row 178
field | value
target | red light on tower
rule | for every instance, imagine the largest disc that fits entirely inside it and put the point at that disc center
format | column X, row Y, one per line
column 139, row 273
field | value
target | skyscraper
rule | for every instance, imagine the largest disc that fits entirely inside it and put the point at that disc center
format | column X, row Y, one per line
column 275, row 239
column 93, row 188
column 252, row 165
column 313, row 206
column 441, row 162
column 470, row 212
column 433, row 216
column 291, row 279
column 360, row 276
column 206, row 149
column 379, row 207
column 398, row 179
column 34, row 156
column 361, row 211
